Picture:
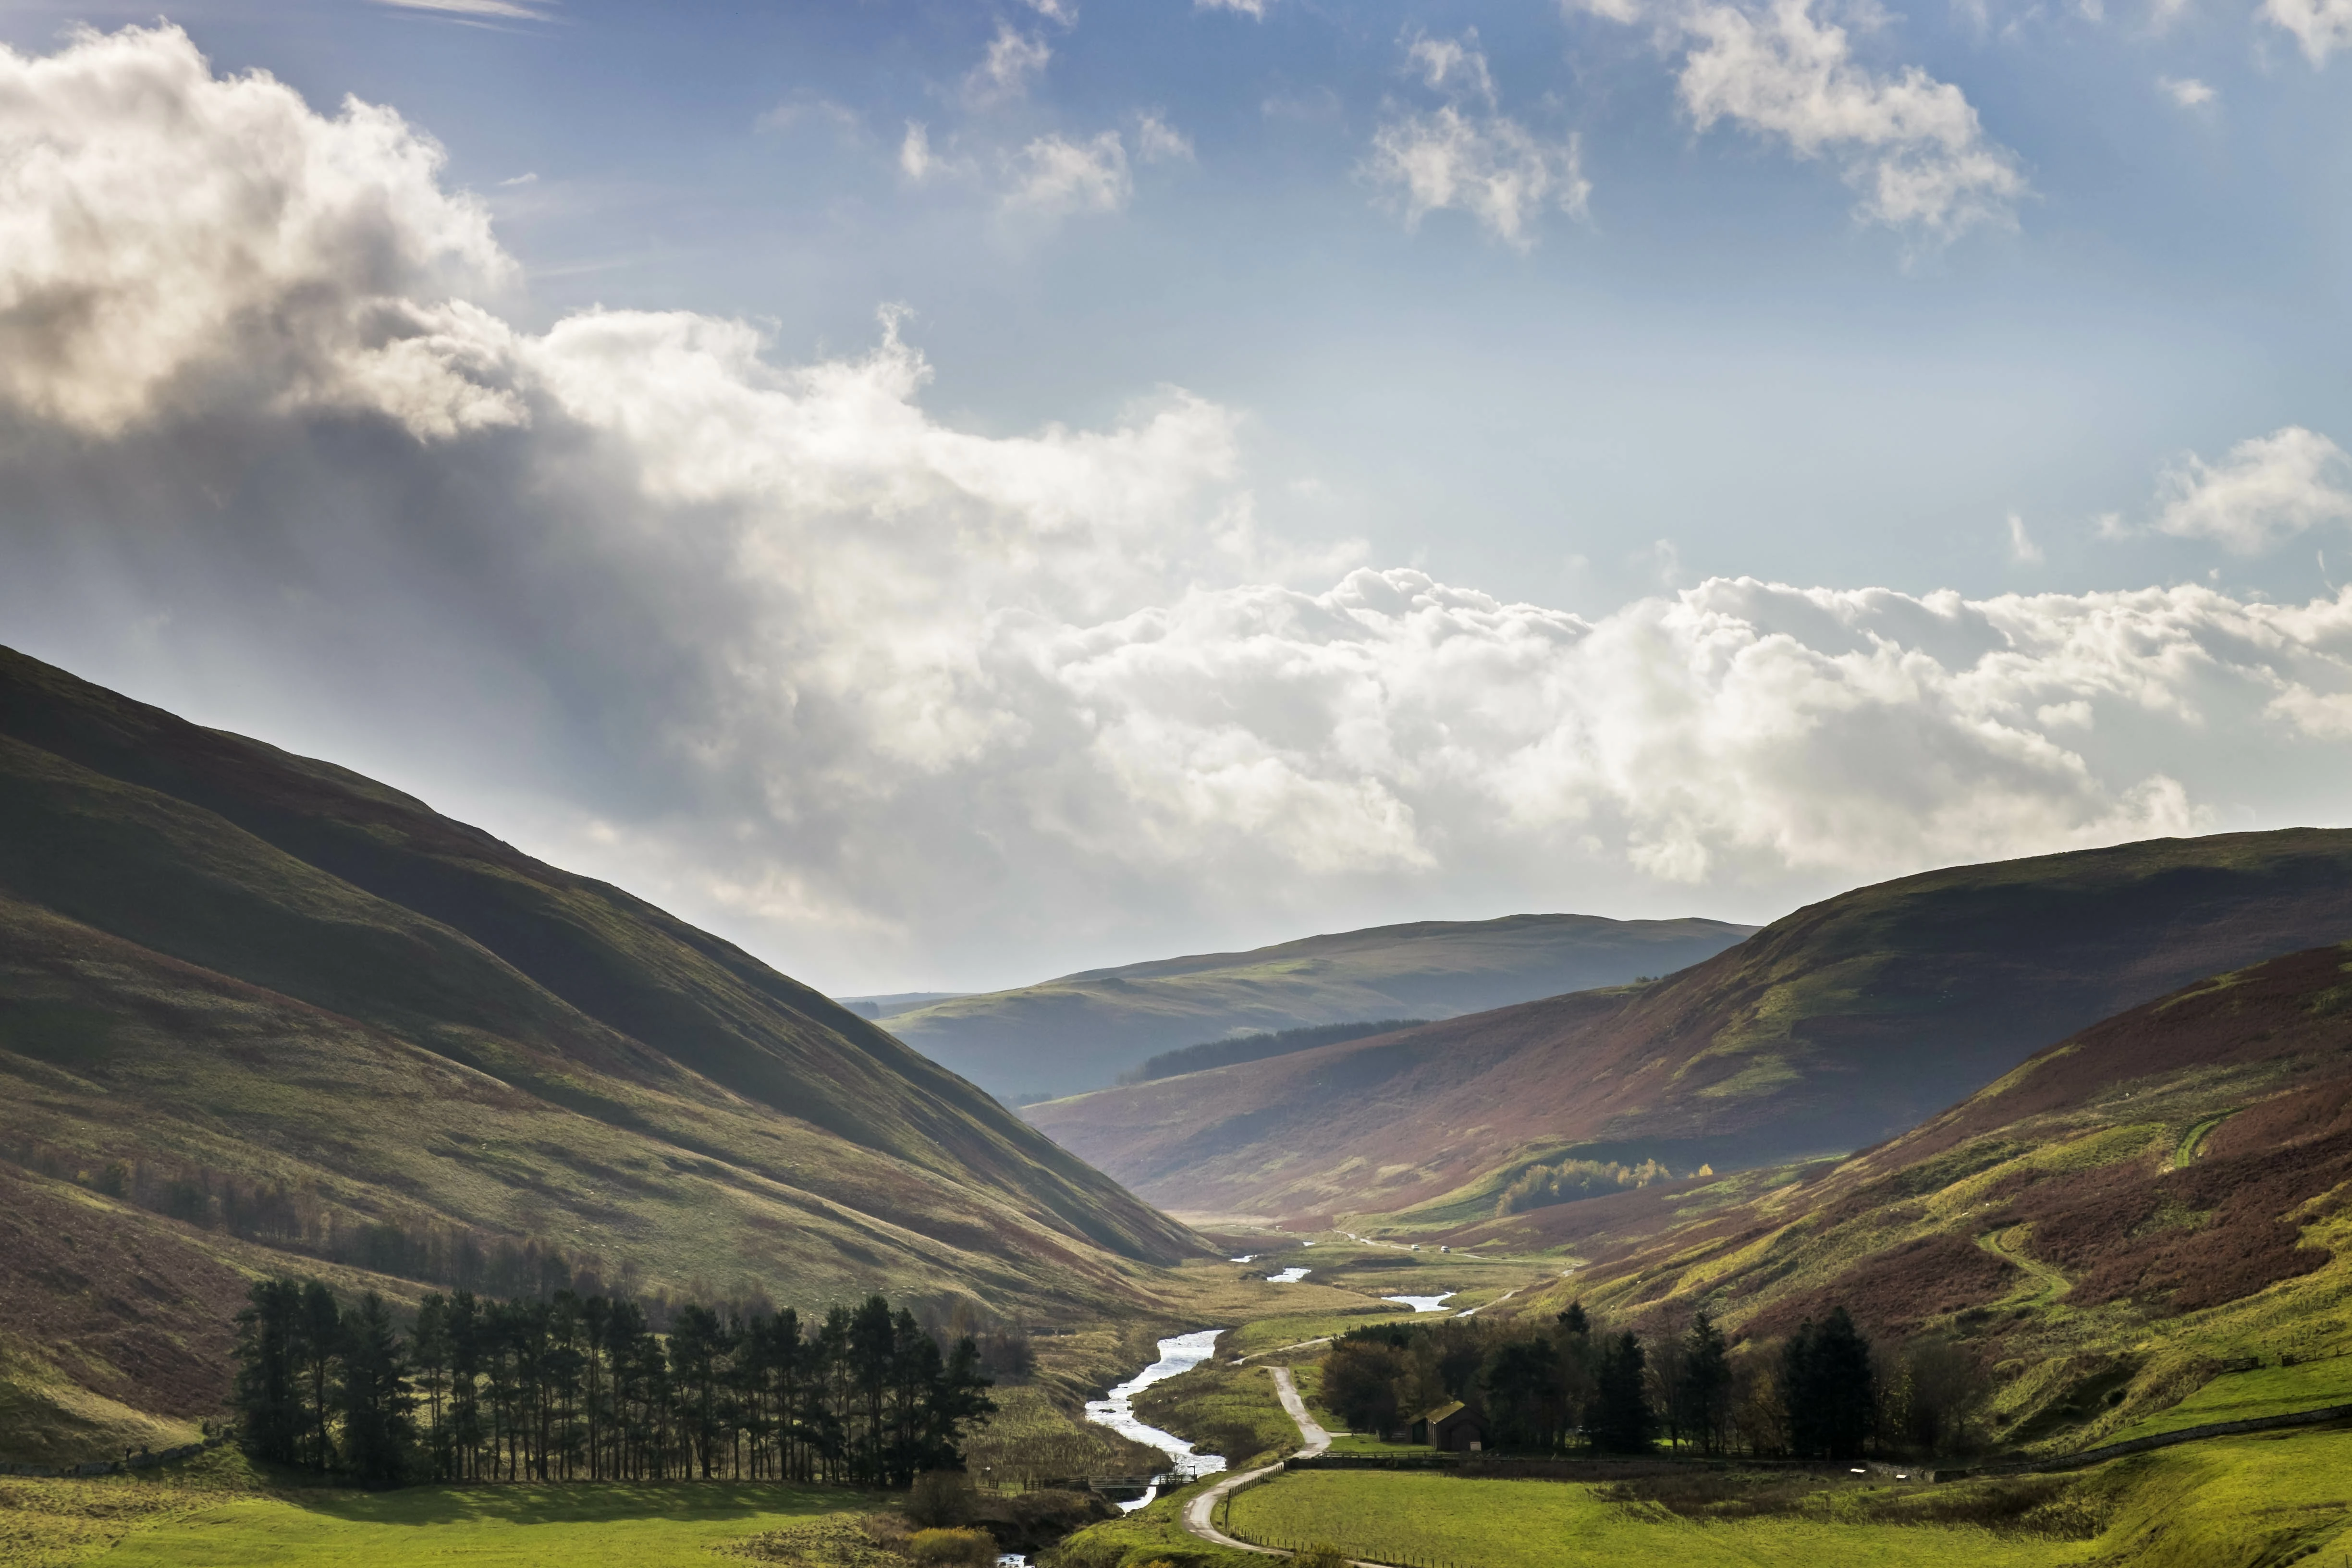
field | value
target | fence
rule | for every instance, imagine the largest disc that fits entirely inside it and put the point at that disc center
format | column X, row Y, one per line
column 1387, row 1556
column 141, row 1460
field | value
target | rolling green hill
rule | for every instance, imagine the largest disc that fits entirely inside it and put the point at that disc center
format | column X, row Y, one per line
column 1840, row 1024
column 1083, row 1030
column 253, row 1005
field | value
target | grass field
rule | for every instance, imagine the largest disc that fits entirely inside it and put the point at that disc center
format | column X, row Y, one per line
column 2238, row 1502
column 1549, row 1524
column 2243, row 1395
column 1233, row 1411
column 1150, row 1534
column 2233, row 1503
column 1031, row 1438
column 1272, row 1334
column 649, row 1526
column 218, row 1513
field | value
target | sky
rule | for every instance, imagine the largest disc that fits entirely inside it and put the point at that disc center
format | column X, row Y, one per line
column 951, row 494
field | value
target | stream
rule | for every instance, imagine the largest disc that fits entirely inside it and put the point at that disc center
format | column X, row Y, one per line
column 1182, row 1353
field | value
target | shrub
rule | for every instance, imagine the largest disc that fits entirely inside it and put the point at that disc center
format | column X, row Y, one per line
column 1322, row 1555
column 939, row 1499
column 952, row 1548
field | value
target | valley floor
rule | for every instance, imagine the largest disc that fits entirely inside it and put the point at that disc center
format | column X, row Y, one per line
column 2245, row 1501
column 220, row 1514
column 1402, row 1518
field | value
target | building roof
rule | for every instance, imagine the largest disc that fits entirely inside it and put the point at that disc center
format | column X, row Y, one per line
column 1450, row 1408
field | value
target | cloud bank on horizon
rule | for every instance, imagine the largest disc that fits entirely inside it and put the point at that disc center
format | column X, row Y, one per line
column 776, row 645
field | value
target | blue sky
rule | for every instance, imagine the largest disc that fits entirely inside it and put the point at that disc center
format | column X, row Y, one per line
column 1688, row 337
column 1721, row 355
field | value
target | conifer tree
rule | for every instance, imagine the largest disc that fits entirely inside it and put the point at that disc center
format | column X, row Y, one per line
column 377, row 1405
column 269, row 1393
column 1830, row 1388
column 1707, row 1382
column 1621, row 1420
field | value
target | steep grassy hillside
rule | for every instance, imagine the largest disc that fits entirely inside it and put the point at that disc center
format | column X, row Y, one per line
column 252, row 1005
column 2107, row 1227
column 1834, row 1027
column 1083, row 1030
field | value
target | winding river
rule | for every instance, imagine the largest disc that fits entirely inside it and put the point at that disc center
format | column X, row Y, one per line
column 1182, row 1353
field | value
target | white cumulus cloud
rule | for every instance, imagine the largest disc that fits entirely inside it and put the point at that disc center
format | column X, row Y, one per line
column 161, row 227
column 2186, row 91
column 775, row 644
column 2268, row 488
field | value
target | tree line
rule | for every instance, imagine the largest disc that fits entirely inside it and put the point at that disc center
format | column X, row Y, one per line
column 583, row 1388
column 1824, row 1391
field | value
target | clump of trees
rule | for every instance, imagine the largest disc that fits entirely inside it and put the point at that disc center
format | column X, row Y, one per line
column 1568, row 1181
column 1824, row 1392
column 577, row 1387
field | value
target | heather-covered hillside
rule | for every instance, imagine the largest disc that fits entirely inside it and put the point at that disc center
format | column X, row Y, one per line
column 1837, row 1027
column 2164, row 1196
column 255, row 1009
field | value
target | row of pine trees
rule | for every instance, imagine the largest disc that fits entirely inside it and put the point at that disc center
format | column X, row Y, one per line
column 1821, row 1394
column 581, row 1388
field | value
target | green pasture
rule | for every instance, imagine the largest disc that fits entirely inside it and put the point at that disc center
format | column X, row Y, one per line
column 1552, row 1524
column 2245, row 1395
column 1153, row 1533
column 2233, row 1502
column 1230, row 1410
column 671, row 1524
column 1273, row 1334
column 2250, row 1501
column 219, row 1513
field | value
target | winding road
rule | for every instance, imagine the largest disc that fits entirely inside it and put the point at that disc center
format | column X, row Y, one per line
column 1200, row 1513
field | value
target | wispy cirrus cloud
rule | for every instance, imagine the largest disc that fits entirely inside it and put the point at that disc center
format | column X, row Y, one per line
column 1465, row 155
column 1055, row 176
column 480, row 10
column 2320, row 27
column 1913, row 147
column 1014, row 62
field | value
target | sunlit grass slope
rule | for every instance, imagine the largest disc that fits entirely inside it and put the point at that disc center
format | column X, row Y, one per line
column 2242, row 1502
column 224, row 968
column 1387, row 1515
column 220, row 1514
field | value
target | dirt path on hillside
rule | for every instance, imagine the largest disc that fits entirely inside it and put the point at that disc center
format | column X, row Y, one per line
column 1200, row 1514
column 2009, row 1245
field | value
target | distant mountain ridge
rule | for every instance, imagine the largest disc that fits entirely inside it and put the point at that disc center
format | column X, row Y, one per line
column 1081, row 1031
column 253, row 1003
column 1840, row 1024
